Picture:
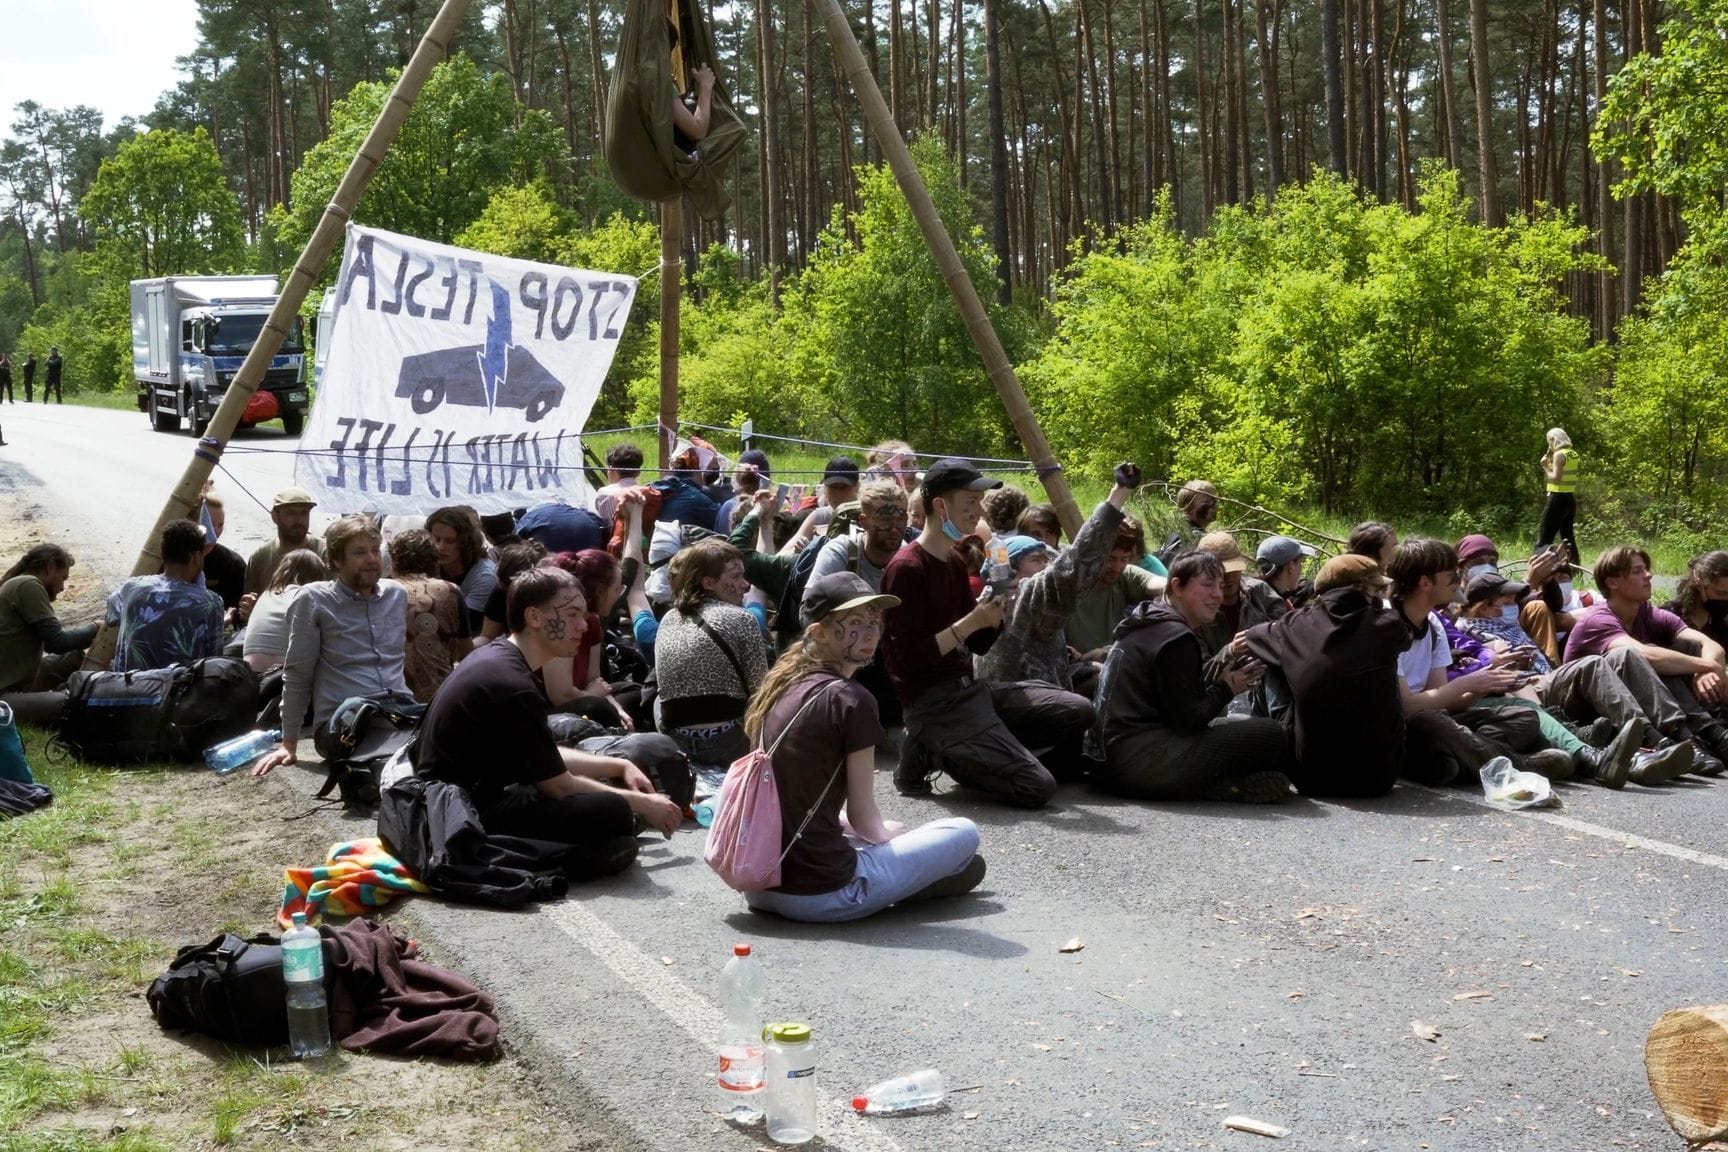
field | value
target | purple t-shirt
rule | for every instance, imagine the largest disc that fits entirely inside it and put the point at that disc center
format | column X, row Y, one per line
column 1597, row 630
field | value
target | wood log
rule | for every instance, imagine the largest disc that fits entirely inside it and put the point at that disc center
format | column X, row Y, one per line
column 1686, row 1058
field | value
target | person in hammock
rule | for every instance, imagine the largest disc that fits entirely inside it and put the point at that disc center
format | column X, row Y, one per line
column 690, row 125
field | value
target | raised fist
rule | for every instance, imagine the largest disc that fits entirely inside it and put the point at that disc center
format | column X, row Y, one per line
column 1127, row 475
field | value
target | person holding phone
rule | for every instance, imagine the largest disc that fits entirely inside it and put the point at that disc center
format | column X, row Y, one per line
column 1157, row 704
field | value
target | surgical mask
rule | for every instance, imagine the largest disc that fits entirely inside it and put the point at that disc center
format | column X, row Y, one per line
column 1476, row 570
column 1509, row 613
column 950, row 531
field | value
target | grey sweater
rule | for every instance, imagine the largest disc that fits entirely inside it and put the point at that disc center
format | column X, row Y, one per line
column 341, row 644
column 1033, row 643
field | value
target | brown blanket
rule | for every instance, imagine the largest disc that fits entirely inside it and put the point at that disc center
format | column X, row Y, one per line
column 384, row 999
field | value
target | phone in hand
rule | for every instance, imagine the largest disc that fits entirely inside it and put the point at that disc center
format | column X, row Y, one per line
column 780, row 496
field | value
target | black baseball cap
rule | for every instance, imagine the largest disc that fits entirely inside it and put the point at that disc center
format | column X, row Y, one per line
column 841, row 470
column 951, row 473
column 839, row 592
column 1491, row 584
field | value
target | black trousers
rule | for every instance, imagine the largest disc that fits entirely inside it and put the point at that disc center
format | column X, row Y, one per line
column 1161, row 763
column 1558, row 517
column 1436, row 741
column 598, row 824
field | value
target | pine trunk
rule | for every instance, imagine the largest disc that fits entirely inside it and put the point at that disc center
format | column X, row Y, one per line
column 1487, row 167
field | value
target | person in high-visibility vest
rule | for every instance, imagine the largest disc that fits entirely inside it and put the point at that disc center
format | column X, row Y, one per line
column 1561, row 468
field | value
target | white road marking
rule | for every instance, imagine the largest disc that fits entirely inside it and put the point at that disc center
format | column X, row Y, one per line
column 1628, row 839
column 696, row 1015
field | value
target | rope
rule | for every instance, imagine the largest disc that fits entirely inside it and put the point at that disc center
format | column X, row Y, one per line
column 1019, row 464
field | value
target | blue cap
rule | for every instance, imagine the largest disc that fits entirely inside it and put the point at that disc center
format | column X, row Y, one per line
column 1019, row 546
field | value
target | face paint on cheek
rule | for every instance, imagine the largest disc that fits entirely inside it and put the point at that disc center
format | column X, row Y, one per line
column 554, row 629
column 858, row 641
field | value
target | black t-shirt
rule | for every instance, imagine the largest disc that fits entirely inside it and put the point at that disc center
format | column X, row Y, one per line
column 843, row 720
column 225, row 575
column 486, row 728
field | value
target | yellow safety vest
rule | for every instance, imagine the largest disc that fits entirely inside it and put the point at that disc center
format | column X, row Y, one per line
column 1569, row 473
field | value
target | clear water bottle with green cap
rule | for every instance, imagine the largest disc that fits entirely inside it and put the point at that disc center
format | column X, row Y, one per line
column 791, row 1083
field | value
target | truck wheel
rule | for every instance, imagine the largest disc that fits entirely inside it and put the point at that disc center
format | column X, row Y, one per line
column 160, row 420
column 293, row 421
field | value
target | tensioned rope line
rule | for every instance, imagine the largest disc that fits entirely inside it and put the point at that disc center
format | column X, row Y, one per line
column 1023, row 464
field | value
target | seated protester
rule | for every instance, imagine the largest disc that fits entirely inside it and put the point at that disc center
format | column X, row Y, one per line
column 1197, row 507
column 1702, row 598
column 513, row 560
column 499, row 528
column 1446, row 737
column 29, row 629
column 224, row 570
column 291, row 512
column 1374, row 540
column 644, row 624
column 462, row 558
column 1156, row 704
column 1041, row 523
column 766, row 566
column 1032, row 644
column 682, row 500
column 892, row 460
column 266, row 644
column 1586, row 689
column 346, row 637
column 1246, row 601
column 815, row 513
column 1689, row 663
column 167, row 619
column 1338, row 658
column 1279, row 560
column 1120, row 585
column 578, row 683
column 822, row 731
column 1000, row 512
column 623, row 473
column 983, row 735
column 754, row 472
column 560, row 527
column 486, row 732
column 865, row 551
column 1541, row 610
column 709, row 655
column 438, row 633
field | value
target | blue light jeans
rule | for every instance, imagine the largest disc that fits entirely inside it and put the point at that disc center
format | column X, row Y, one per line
column 885, row 874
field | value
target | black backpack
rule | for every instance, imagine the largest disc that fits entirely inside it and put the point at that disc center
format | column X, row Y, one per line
column 219, row 702
column 787, row 624
column 229, row 988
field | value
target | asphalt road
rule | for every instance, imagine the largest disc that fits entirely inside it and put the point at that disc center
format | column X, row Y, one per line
column 1277, row 963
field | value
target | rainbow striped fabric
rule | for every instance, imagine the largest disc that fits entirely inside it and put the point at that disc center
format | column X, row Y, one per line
column 359, row 874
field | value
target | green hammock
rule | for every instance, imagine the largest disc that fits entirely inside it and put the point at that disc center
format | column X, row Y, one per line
column 645, row 160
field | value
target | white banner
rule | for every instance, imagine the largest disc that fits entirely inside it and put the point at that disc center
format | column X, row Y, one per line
column 455, row 377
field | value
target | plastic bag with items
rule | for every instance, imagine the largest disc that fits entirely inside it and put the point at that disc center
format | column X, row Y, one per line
column 1508, row 788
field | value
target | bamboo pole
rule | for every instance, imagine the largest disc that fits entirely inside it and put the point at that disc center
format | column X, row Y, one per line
column 887, row 136
column 671, row 285
column 183, row 500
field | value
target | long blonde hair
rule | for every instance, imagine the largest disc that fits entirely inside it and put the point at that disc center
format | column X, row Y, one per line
column 797, row 662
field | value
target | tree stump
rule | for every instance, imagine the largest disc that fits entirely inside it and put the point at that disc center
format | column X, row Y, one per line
column 1686, row 1058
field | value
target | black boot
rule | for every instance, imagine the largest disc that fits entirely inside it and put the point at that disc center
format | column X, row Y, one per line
column 1611, row 766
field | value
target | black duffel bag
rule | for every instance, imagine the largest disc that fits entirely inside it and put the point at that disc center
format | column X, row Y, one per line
column 229, row 988
column 160, row 714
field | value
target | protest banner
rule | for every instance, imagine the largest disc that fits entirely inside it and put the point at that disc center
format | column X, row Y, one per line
column 457, row 377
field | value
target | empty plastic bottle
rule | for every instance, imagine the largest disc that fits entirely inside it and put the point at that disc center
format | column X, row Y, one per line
column 791, row 1083
column 902, row 1094
column 743, row 988
column 235, row 754
column 705, row 809
column 303, row 970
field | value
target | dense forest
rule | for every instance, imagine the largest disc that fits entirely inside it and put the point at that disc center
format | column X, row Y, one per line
column 1354, row 253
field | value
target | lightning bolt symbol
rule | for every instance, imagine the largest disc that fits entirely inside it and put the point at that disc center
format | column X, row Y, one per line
column 494, row 360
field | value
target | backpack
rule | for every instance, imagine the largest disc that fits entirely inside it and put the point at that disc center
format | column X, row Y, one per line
column 229, row 988
column 219, row 702
column 744, row 845
column 787, row 622
column 13, row 766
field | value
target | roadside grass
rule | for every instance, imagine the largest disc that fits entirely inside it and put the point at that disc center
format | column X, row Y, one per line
column 97, row 891
column 126, row 400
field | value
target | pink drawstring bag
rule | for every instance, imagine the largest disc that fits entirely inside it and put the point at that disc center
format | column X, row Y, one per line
column 744, row 844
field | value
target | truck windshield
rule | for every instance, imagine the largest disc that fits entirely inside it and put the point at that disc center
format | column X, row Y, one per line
column 235, row 335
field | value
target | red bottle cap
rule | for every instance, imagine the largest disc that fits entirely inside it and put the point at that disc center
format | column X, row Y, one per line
column 740, row 949
column 860, row 1102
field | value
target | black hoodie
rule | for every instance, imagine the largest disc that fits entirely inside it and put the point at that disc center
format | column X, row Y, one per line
column 1155, row 677
column 1339, row 655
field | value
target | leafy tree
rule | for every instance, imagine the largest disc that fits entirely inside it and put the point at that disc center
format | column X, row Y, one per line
column 160, row 207
column 465, row 139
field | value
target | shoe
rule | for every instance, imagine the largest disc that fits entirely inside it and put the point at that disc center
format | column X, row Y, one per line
column 912, row 775
column 1705, row 762
column 1661, row 765
column 1254, row 788
column 1554, row 763
column 958, row 884
column 1599, row 733
column 1609, row 766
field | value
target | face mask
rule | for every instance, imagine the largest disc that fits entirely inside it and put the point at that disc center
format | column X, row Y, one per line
column 1509, row 613
column 1476, row 570
column 948, row 528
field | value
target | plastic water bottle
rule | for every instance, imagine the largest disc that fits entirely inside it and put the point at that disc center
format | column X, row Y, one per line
column 902, row 1094
column 791, row 1083
column 743, row 987
column 233, row 755
column 303, row 969
column 705, row 810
